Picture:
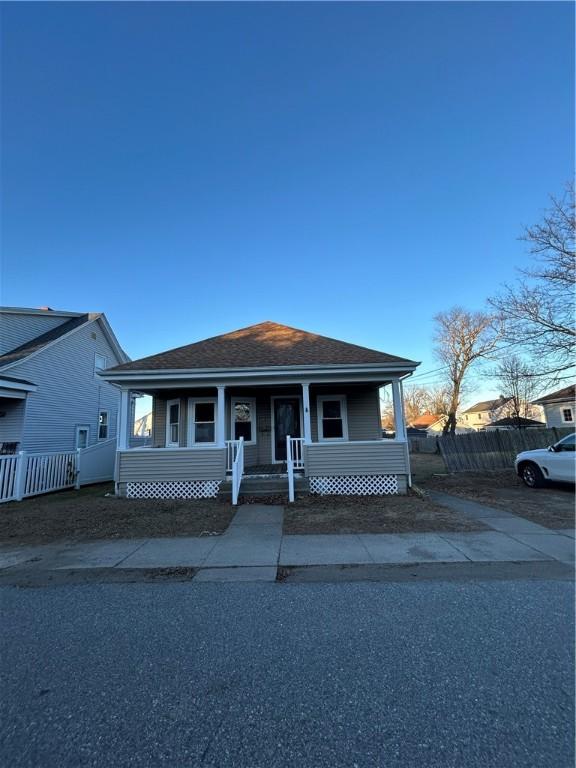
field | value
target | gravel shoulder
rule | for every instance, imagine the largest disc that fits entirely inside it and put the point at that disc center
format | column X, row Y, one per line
column 90, row 514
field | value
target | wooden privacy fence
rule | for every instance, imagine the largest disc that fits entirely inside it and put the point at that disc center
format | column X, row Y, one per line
column 494, row 449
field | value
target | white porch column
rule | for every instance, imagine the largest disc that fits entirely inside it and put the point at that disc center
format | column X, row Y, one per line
column 306, row 404
column 123, row 419
column 397, row 399
column 221, row 417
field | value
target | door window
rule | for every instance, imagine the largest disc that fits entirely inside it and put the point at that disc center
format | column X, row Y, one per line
column 286, row 422
column 82, row 437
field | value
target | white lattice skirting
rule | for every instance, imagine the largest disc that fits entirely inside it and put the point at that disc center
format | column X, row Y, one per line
column 354, row 485
column 173, row 489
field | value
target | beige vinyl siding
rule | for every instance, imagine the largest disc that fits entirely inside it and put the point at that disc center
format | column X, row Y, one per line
column 363, row 407
column 176, row 464
column 333, row 459
column 159, row 422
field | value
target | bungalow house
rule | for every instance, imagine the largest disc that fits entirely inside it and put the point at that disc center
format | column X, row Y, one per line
column 263, row 400
column 51, row 398
column 559, row 407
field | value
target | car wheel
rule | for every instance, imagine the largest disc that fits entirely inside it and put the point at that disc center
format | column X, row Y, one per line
column 532, row 476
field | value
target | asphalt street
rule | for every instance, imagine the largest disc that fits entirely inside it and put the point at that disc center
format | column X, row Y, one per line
column 439, row 673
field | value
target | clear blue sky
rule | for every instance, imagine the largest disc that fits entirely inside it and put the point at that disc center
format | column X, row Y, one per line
column 350, row 169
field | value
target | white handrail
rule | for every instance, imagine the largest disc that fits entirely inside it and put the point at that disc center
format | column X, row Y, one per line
column 294, row 460
column 237, row 470
column 231, row 451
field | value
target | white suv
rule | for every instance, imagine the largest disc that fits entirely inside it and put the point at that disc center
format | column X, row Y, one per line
column 558, row 462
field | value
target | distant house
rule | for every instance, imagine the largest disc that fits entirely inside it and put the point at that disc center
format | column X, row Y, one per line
column 480, row 415
column 559, row 407
column 433, row 424
column 51, row 397
column 143, row 426
column 515, row 422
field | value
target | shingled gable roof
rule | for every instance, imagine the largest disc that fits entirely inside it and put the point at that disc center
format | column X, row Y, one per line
column 264, row 345
column 487, row 405
column 36, row 344
column 567, row 394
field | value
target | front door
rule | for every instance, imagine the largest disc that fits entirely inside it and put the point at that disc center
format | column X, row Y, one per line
column 286, row 422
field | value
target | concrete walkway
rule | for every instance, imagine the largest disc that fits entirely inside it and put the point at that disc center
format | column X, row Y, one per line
column 253, row 547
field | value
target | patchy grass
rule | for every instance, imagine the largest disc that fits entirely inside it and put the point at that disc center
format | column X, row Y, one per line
column 551, row 506
column 424, row 465
column 90, row 514
column 372, row 514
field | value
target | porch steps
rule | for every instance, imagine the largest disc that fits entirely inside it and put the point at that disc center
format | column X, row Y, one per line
column 265, row 485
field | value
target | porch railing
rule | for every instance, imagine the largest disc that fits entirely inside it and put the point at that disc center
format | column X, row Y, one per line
column 294, row 460
column 232, row 447
column 237, row 468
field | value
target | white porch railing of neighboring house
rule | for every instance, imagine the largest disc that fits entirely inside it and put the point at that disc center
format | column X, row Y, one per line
column 31, row 474
column 294, row 461
column 237, row 468
column 25, row 474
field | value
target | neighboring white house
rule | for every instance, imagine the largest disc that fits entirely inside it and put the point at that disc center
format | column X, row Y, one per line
column 51, row 397
column 559, row 407
column 480, row 415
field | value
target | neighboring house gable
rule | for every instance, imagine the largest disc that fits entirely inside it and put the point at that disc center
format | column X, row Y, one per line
column 559, row 407
column 18, row 326
column 69, row 393
column 480, row 415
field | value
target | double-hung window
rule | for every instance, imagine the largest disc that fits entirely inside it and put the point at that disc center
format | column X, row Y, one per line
column 202, row 416
column 172, row 423
column 244, row 419
column 567, row 415
column 332, row 418
column 103, row 425
column 100, row 362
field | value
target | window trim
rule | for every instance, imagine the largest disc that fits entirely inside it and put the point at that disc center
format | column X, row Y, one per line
column 107, row 412
column 343, row 415
column 79, row 428
column 168, row 442
column 192, row 403
column 564, row 419
column 253, row 422
column 104, row 357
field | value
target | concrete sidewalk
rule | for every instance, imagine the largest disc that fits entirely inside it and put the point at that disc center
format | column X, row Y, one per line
column 253, row 547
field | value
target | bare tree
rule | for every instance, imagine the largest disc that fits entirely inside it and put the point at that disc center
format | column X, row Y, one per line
column 416, row 401
column 519, row 385
column 539, row 308
column 462, row 339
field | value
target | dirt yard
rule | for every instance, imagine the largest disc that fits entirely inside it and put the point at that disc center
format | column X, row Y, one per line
column 372, row 514
column 89, row 514
column 552, row 506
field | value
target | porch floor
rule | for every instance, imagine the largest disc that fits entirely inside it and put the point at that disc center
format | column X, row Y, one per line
column 266, row 469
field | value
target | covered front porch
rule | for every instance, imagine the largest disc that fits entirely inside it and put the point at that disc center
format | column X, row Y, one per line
column 13, row 397
column 328, row 432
